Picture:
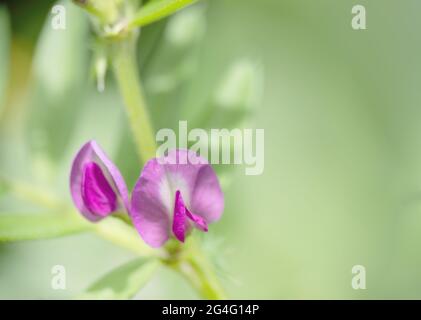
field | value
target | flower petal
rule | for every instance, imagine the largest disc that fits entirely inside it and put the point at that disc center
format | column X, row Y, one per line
column 149, row 213
column 199, row 222
column 97, row 193
column 179, row 225
column 153, row 198
column 197, row 182
column 82, row 197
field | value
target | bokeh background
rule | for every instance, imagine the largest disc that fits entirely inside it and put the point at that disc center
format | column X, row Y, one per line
column 341, row 113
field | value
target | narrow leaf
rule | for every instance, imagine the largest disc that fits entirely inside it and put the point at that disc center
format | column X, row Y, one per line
column 4, row 52
column 123, row 235
column 236, row 98
column 123, row 282
column 18, row 227
column 60, row 83
column 156, row 10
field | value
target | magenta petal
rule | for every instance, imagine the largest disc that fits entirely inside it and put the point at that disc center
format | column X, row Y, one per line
column 152, row 204
column 97, row 193
column 181, row 213
column 179, row 225
column 88, row 189
column 199, row 222
column 150, row 215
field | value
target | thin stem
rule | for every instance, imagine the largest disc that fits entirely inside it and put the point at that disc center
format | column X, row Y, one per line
column 91, row 9
column 195, row 267
column 192, row 263
column 206, row 281
column 33, row 194
column 126, row 71
column 154, row 11
column 123, row 235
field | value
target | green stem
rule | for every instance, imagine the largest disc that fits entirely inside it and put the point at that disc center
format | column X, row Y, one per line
column 192, row 263
column 126, row 71
column 33, row 194
column 154, row 11
column 198, row 270
column 92, row 10
column 123, row 235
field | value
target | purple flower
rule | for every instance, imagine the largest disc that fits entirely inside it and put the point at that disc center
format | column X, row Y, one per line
column 172, row 196
column 96, row 185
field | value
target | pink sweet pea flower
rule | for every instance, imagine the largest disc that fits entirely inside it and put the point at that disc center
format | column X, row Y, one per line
column 96, row 185
column 174, row 194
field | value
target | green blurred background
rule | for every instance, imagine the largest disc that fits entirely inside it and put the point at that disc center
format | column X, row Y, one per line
column 341, row 113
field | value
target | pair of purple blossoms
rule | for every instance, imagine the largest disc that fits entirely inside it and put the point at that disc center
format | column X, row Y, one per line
column 173, row 193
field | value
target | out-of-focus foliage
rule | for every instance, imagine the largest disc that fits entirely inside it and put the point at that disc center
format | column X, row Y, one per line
column 4, row 53
column 340, row 109
column 123, row 282
column 18, row 227
column 158, row 9
column 60, row 77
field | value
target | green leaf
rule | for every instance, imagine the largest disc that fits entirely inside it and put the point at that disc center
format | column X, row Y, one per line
column 156, row 10
column 60, row 83
column 18, row 227
column 172, row 68
column 123, row 282
column 235, row 100
column 60, row 61
column 4, row 52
